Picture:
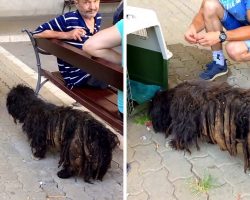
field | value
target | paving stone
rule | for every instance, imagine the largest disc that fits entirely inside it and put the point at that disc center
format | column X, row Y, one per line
column 74, row 192
column 5, row 196
column 15, row 195
column 162, row 189
column 198, row 153
column 183, row 190
column 142, row 136
column 175, row 62
column 2, row 186
column 134, row 180
column 176, row 48
column 243, row 197
column 115, row 174
column 185, row 56
column 39, row 196
column 51, row 188
column 240, row 66
column 29, row 181
column 222, row 192
column 242, row 188
column 130, row 154
column 12, row 186
column 148, row 158
column 234, row 174
column 203, row 167
column 160, row 141
column 223, row 157
column 141, row 196
column 178, row 167
column 243, row 82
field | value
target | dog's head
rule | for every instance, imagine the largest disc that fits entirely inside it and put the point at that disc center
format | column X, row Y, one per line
column 19, row 101
column 159, row 110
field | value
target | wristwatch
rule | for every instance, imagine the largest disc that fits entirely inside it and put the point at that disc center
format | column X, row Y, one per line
column 222, row 36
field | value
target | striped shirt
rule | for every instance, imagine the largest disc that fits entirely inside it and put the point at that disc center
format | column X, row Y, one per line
column 64, row 23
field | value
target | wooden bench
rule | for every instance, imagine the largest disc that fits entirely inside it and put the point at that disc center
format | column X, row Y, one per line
column 102, row 102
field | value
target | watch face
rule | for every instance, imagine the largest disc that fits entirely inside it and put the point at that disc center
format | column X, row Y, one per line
column 223, row 37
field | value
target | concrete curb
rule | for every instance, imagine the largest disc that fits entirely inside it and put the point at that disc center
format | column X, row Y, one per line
column 29, row 76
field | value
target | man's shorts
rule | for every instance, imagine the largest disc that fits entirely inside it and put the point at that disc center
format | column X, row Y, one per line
column 230, row 22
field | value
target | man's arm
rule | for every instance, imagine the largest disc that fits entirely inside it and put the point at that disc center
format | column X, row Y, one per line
column 75, row 34
column 212, row 38
column 239, row 34
column 56, row 28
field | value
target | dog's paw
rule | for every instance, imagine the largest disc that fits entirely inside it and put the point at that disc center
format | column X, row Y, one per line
column 64, row 173
column 34, row 157
column 173, row 144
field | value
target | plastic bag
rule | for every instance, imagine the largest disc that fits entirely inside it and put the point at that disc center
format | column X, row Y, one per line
column 142, row 92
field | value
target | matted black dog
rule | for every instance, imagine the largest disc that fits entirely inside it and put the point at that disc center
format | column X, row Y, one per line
column 85, row 144
column 213, row 111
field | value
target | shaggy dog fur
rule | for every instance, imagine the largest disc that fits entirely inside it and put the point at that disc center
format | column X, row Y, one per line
column 85, row 144
column 213, row 111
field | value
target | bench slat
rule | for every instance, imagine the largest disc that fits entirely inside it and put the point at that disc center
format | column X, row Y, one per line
column 96, row 94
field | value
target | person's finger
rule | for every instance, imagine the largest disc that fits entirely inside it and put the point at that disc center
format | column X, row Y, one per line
column 203, row 42
column 74, row 37
column 195, row 35
column 199, row 37
column 78, row 36
column 191, row 39
column 83, row 32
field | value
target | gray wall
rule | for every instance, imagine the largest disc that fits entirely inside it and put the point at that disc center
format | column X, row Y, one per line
column 9, row 8
column 15, row 8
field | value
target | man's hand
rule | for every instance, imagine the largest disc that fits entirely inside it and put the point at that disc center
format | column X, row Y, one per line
column 191, row 35
column 76, row 34
column 208, row 39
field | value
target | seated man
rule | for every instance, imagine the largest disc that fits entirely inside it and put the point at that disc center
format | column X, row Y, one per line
column 74, row 28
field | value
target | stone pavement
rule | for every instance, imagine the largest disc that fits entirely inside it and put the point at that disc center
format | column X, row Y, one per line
column 23, row 178
column 156, row 171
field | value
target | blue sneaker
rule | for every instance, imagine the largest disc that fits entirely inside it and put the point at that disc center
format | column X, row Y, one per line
column 213, row 71
column 210, row 65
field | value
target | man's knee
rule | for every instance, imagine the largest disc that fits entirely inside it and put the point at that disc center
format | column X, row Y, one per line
column 233, row 51
column 210, row 7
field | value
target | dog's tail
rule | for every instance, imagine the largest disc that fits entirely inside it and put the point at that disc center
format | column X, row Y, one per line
column 98, row 145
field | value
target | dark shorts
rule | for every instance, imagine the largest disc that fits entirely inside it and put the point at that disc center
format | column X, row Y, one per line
column 230, row 22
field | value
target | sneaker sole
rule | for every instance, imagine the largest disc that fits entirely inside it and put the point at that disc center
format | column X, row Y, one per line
column 217, row 75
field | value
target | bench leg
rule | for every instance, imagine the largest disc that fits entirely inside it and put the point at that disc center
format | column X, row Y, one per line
column 39, row 85
column 63, row 8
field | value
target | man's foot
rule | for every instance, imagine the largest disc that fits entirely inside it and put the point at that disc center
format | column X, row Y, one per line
column 213, row 71
column 210, row 65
